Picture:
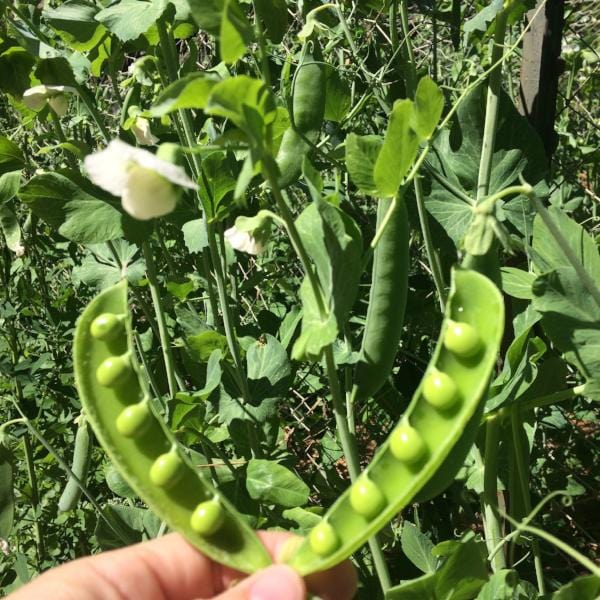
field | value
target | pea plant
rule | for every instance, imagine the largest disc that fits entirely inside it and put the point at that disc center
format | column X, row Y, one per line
column 311, row 266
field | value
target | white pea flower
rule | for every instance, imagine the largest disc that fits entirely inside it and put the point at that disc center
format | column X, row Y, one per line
column 251, row 234
column 142, row 133
column 36, row 97
column 4, row 547
column 243, row 241
column 146, row 183
column 19, row 250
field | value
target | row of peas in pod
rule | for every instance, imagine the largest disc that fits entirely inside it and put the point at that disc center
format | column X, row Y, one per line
column 144, row 450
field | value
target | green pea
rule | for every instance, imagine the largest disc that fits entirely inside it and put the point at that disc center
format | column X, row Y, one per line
column 134, row 419
column 207, row 518
column 106, row 327
column 366, row 498
column 462, row 339
column 406, row 444
column 114, row 371
column 323, row 539
column 439, row 390
column 167, row 469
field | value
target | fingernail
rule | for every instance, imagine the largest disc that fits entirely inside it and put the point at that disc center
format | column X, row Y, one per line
column 277, row 583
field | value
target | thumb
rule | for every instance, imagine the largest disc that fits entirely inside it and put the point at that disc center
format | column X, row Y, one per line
column 277, row 582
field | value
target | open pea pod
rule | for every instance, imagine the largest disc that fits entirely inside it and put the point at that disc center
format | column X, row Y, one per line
column 140, row 444
column 446, row 401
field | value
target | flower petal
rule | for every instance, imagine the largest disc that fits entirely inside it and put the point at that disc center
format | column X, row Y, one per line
column 147, row 194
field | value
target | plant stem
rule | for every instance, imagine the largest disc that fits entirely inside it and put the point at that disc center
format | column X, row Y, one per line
column 491, row 109
column 35, row 500
column 165, row 341
column 169, row 55
column 552, row 398
column 89, row 104
column 341, row 417
column 489, row 498
column 411, row 86
column 519, row 452
column 349, row 447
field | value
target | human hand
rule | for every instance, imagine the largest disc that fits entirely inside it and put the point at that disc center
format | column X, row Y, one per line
column 169, row 568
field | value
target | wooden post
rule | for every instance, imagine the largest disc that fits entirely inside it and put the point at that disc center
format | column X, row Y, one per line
column 540, row 70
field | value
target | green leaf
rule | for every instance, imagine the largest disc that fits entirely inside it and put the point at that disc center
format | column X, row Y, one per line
column 422, row 588
column 83, row 215
column 505, row 585
column 202, row 345
column 581, row 588
column 126, row 526
column 480, row 21
column 194, row 235
column 305, row 518
column 213, row 374
column 15, row 66
column 207, row 13
column 246, row 101
column 74, row 22
column 547, row 253
column 456, row 153
column 275, row 18
column 429, row 104
column 334, row 242
column 398, row 151
column 7, row 499
column 131, row 18
column 117, row 484
column 338, row 98
column 9, row 185
column 571, row 318
column 517, row 283
column 417, row 547
column 235, row 33
column 55, row 71
column 361, row 155
column 100, row 269
column 460, row 577
column 273, row 483
column 268, row 368
column 191, row 91
column 11, row 157
column 10, row 228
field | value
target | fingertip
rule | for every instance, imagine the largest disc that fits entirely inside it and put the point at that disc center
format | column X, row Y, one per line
column 278, row 582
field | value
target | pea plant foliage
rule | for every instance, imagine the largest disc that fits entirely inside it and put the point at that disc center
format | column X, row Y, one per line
column 299, row 265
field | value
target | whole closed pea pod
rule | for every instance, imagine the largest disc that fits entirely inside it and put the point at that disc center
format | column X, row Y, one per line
column 81, row 464
column 308, row 111
column 387, row 302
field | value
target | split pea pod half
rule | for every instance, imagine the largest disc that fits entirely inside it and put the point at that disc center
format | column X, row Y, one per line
column 450, row 393
column 387, row 303
column 140, row 445
column 308, row 112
